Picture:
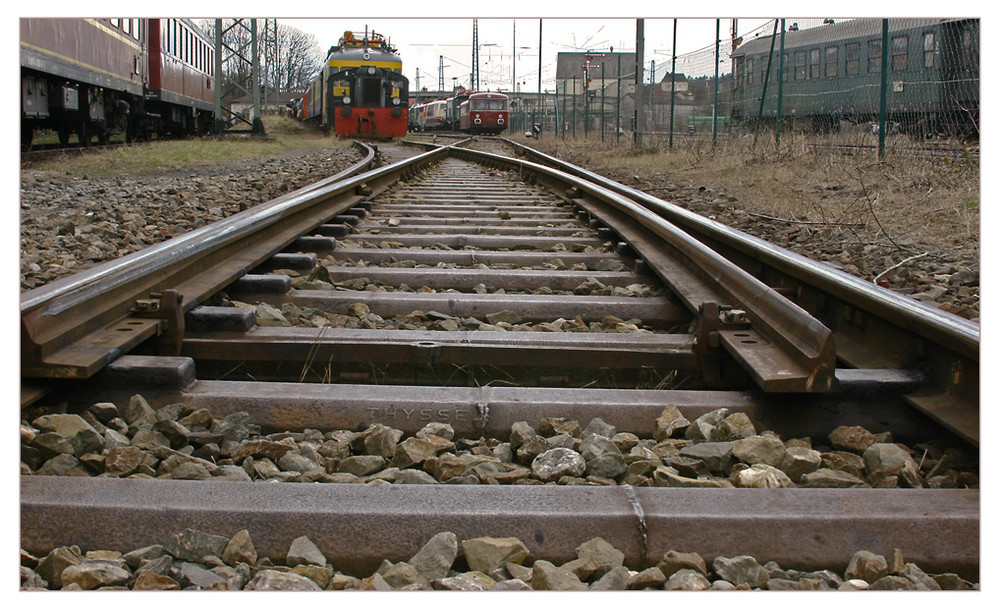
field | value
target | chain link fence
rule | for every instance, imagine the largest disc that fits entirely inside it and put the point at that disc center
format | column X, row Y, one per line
column 856, row 81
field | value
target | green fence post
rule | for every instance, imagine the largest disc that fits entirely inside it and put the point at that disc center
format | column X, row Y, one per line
column 673, row 78
column 884, row 94
column 781, row 86
column 715, row 105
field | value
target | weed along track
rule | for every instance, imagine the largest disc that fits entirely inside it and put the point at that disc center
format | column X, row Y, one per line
column 463, row 356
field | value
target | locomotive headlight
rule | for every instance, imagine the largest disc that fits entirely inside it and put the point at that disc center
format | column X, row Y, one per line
column 395, row 101
column 347, row 99
column 371, row 69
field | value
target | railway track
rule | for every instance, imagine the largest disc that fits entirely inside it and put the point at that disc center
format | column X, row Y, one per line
column 467, row 301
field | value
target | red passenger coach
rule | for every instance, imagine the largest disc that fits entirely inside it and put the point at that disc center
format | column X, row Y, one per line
column 485, row 113
column 76, row 74
column 101, row 77
column 181, row 64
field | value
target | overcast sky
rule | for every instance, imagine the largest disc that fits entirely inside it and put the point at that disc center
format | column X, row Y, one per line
column 423, row 42
column 425, row 31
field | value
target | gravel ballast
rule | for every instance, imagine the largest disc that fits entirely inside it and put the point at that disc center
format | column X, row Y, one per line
column 719, row 449
column 69, row 224
column 196, row 560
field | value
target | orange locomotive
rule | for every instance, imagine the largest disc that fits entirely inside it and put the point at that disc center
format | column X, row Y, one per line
column 361, row 91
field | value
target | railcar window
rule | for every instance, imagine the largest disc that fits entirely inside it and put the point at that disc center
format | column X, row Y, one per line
column 852, row 59
column 900, row 53
column 800, row 65
column 749, row 70
column 831, row 62
column 874, row 56
column 970, row 50
column 116, row 23
column 784, row 73
column 814, row 57
column 930, row 49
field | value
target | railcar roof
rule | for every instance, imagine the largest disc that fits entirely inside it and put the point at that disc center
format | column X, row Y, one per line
column 358, row 54
column 853, row 28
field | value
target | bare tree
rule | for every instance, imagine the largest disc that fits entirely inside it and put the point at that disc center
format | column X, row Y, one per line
column 300, row 59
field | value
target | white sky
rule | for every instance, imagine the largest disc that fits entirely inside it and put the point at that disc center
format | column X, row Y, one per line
column 424, row 31
column 421, row 43
column 422, row 38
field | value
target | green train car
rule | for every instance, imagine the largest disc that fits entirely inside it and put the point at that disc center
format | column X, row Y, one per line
column 832, row 75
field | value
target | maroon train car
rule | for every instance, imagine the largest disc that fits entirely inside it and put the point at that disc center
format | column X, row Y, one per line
column 486, row 113
column 100, row 77
column 181, row 76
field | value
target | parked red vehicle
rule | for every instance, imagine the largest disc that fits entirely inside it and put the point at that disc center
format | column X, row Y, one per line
column 486, row 113
column 99, row 77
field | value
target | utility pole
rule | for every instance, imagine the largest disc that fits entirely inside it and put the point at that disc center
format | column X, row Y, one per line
column 513, row 58
column 441, row 68
column 735, row 43
column 639, row 119
column 540, row 94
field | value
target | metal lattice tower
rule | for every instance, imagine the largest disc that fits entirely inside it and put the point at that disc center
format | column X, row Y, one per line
column 237, row 70
column 269, row 50
column 474, row 79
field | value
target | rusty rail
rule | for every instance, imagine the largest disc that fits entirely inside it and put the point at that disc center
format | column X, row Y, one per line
column 908, row 333
column 782, row 346
column 73, row 327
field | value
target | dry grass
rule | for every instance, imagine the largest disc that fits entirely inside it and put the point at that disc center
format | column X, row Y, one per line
column 912, row 200
column 283, row 135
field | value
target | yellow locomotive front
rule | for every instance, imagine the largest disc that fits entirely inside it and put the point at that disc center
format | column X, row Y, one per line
column 362, row 91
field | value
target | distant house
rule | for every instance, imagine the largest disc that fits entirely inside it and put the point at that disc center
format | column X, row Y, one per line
column 680, row 83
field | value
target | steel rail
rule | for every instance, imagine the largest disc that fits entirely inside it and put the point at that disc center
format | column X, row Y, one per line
column 783, row 347
column 951, row 395
column 357, row 526
column 73, row 327
column 934, row 324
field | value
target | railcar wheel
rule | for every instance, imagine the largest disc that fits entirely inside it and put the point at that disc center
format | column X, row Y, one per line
column 27, row 136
